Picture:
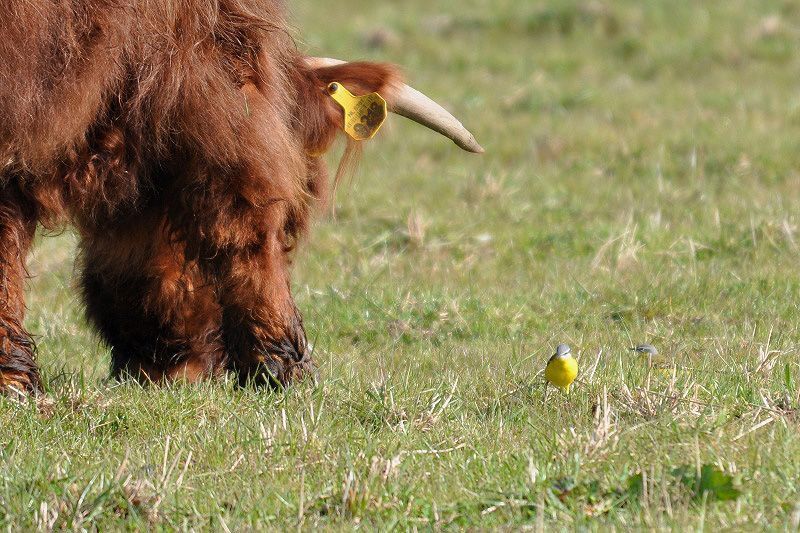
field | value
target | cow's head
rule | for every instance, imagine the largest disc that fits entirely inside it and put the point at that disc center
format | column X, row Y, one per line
column 316, row 120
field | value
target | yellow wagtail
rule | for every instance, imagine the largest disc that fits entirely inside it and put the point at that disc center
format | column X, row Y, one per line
column 562, row 368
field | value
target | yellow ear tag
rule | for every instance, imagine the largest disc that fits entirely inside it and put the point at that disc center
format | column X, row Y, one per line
column 363, row 115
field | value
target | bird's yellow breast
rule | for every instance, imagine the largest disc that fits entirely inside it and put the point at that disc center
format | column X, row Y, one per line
column 561, row 371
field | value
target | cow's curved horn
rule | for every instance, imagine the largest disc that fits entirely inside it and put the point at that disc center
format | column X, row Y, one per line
column 414, row 105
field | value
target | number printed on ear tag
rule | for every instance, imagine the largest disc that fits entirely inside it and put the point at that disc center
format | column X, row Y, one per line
column 363, row 115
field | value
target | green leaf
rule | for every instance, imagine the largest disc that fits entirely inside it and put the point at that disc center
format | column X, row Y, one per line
column 712, row 482
column 717, row 484
column 635, row 486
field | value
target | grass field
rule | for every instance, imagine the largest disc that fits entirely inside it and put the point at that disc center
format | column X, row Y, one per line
column 640, row 184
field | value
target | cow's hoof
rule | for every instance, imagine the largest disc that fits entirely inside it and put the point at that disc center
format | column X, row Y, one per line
column 19, row 376
column 20, row 386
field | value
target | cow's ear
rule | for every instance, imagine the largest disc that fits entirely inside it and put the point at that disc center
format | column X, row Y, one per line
column 320, row 118
column 401, row 99
column 362, row 78
column 359, row 78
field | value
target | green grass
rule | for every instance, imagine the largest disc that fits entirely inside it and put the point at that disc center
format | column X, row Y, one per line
column 640, row 184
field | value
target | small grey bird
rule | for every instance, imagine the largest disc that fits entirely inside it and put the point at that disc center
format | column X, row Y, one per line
column 648, row 349
column 653, row 358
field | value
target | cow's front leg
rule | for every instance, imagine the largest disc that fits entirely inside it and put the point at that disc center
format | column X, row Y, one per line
column 161, row 320
column 18, row 372
column 238, row 228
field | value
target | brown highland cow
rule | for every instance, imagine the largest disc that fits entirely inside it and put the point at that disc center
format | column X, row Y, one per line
column 182, row 138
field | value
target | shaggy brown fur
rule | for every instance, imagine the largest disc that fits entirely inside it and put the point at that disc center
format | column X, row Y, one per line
column 183, row 139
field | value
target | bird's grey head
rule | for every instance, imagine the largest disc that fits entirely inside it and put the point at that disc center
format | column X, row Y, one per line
column 647, row 349
column 562, row 350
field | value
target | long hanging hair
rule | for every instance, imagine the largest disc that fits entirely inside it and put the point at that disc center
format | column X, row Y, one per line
column 98, row 94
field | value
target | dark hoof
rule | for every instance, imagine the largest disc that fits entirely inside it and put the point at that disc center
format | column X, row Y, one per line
column 19, row 376
column 19, row 386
